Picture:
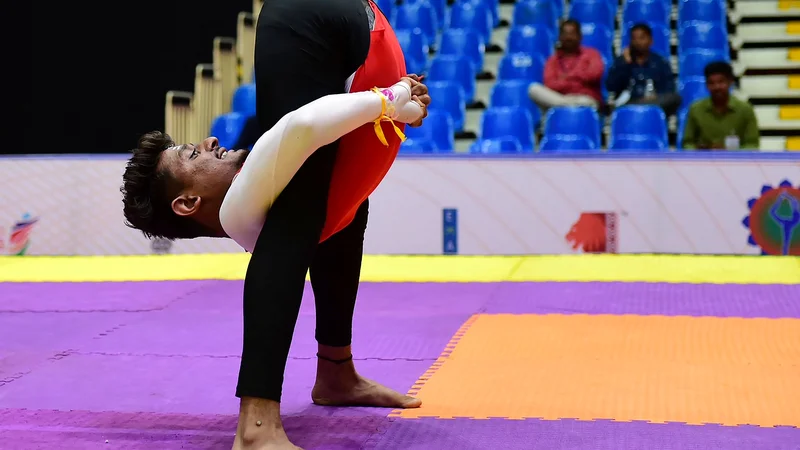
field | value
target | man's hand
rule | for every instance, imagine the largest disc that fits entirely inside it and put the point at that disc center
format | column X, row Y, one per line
column 626, row 53
column 419, row 93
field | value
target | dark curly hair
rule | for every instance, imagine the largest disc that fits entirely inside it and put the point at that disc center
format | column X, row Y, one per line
column 146, row 193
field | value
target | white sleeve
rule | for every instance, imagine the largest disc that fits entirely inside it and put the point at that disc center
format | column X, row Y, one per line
column 280, row 152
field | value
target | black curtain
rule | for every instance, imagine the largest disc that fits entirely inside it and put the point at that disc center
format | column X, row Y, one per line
column 94, row 76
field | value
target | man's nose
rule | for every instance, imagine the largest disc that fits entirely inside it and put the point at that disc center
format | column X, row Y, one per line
column 210, row 143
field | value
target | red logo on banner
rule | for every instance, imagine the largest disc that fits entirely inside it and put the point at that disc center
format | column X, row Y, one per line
column 594, row 233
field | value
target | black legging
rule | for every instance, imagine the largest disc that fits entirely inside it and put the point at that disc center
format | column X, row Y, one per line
column 305, row 49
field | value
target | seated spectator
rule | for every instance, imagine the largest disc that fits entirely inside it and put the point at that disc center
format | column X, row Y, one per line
column 572, row 76
column 721, row 121
column 640, row 77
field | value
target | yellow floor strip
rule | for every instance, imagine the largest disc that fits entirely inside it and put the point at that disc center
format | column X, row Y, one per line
column 794, row 54
column 793, row 143
column 794, row 81
column 790, row 112
column 646, row 268
column 793, row 27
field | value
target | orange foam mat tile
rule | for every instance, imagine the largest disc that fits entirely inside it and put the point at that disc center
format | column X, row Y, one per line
column 694, row 370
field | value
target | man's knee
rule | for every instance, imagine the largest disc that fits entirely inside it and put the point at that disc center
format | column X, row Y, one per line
column 536, row 91
column 670, row 103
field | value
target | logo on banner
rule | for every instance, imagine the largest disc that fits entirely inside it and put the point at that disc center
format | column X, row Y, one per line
column 774, row 220
column 450, row 231
column 594, row 232
column 18, row 239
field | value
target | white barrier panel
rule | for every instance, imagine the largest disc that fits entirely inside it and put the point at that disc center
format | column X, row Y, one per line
column 675, row 203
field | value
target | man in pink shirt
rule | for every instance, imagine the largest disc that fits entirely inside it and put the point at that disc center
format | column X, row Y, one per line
column 573, row 75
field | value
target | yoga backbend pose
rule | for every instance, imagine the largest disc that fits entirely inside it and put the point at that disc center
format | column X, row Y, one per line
column 207, row 190
column 305, row 50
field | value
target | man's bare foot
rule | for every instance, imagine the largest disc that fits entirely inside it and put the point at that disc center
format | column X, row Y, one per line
column 260, row 426
column 338, row 384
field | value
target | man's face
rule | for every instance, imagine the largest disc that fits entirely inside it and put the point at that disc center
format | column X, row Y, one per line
column 203, row 171
column 718, row 86
column 569, row 37
column 641, row 41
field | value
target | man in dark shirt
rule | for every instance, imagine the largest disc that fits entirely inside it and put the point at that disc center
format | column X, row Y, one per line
column 643, row 75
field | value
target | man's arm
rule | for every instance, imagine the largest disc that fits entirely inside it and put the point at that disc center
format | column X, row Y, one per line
column 553, row 76
column 619, row 76
column 666, row 80
column 752, row 137
column 281, row 151
column 592, row 70
column 690, row 131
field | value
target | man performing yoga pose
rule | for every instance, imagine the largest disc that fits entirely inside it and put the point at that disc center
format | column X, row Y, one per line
column 305, row 50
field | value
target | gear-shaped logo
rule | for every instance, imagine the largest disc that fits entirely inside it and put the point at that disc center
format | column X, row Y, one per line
column 774, row 220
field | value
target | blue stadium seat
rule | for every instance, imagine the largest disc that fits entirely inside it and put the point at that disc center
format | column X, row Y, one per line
column 692, row 63
column 497, row 122
column 650, row 11
column 459, row 42
column 626, row 143
column 420, row 15
column 558, row 8
column 415, row 50
column 472, row 15
column 514, row 93
column 702, row 10
column 497, row 145
column 450, row 99
column 454, row 68
column 521, row 66
column 600, row 38
column 682, row 114
column 597, row 12
column 228, row 128
column 559, row 143
column 692, row 89
column 573, row 120
column 531, row 39
column 629, row 122
column 703, row 35
column 534, row 12
column 439, row 8
column 416, row 146
column 388, row 7
column 436, row 133
column 244, row 100
column 661, row 37
column 494, row 9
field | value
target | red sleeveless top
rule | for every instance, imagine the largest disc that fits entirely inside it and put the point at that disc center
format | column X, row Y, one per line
column 362, row 160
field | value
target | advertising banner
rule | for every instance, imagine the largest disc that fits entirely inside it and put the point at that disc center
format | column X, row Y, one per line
column 665, row 203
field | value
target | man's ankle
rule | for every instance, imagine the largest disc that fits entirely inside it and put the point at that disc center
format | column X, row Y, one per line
column 258, row 419
column 328, row 352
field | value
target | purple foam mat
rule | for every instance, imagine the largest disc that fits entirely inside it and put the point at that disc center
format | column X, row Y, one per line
column 531, row 434
column 721, row 300
column 25, row 429
column 119, row 350
column 95, row 297
column 175, row 384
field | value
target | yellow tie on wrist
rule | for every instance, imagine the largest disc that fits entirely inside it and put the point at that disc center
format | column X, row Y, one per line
column 384, row 118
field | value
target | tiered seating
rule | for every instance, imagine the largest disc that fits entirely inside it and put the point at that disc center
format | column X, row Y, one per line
column 451, row 44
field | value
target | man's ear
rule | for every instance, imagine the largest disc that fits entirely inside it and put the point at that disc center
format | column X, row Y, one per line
column 186, row 205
